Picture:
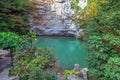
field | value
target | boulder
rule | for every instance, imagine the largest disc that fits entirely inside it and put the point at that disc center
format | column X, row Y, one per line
column 4, row 63
column 74, row 77
column 4, row 75
column 82, row 72
column 4, row 53
column 76, row 67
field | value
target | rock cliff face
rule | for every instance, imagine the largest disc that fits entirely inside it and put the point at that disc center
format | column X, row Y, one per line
column 55, row 19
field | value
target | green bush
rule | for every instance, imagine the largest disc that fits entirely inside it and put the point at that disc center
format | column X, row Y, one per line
column 69, row 72
column 13, row 15
column 42, row 75
column 10, row 40
column 112, row 69
column 30, row 63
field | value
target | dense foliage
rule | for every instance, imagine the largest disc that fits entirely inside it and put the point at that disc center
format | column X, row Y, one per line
column 13, row 21
column 10, row 40
column 101, row 20
column 30, row 64
column 13, row 15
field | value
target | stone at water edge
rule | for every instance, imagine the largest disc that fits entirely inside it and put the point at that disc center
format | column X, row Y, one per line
column 82, row 71
column 76, row 67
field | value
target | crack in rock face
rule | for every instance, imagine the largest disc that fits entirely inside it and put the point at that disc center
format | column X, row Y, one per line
column 56, row 19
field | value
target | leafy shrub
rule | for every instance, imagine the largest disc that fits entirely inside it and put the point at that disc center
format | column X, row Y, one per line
column 28, row 64
column 69, row 72
column 112, row 69
column 13, row 15
column 10, row 40
column 43, row 75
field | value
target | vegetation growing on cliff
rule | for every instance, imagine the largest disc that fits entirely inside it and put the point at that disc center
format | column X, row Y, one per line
column 13, row 15
column 101, row 20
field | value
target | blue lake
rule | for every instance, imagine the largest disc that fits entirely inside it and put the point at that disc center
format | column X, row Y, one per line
column 68, row 50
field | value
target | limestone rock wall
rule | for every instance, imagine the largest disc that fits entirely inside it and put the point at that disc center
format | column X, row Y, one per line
column 55, row 18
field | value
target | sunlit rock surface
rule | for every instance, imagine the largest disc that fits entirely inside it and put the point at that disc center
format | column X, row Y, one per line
column 56, row 19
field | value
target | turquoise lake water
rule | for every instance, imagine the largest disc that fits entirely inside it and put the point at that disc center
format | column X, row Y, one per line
column 68, row 51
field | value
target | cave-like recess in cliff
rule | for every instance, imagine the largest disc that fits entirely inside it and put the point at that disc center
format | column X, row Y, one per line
column 68, row 51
